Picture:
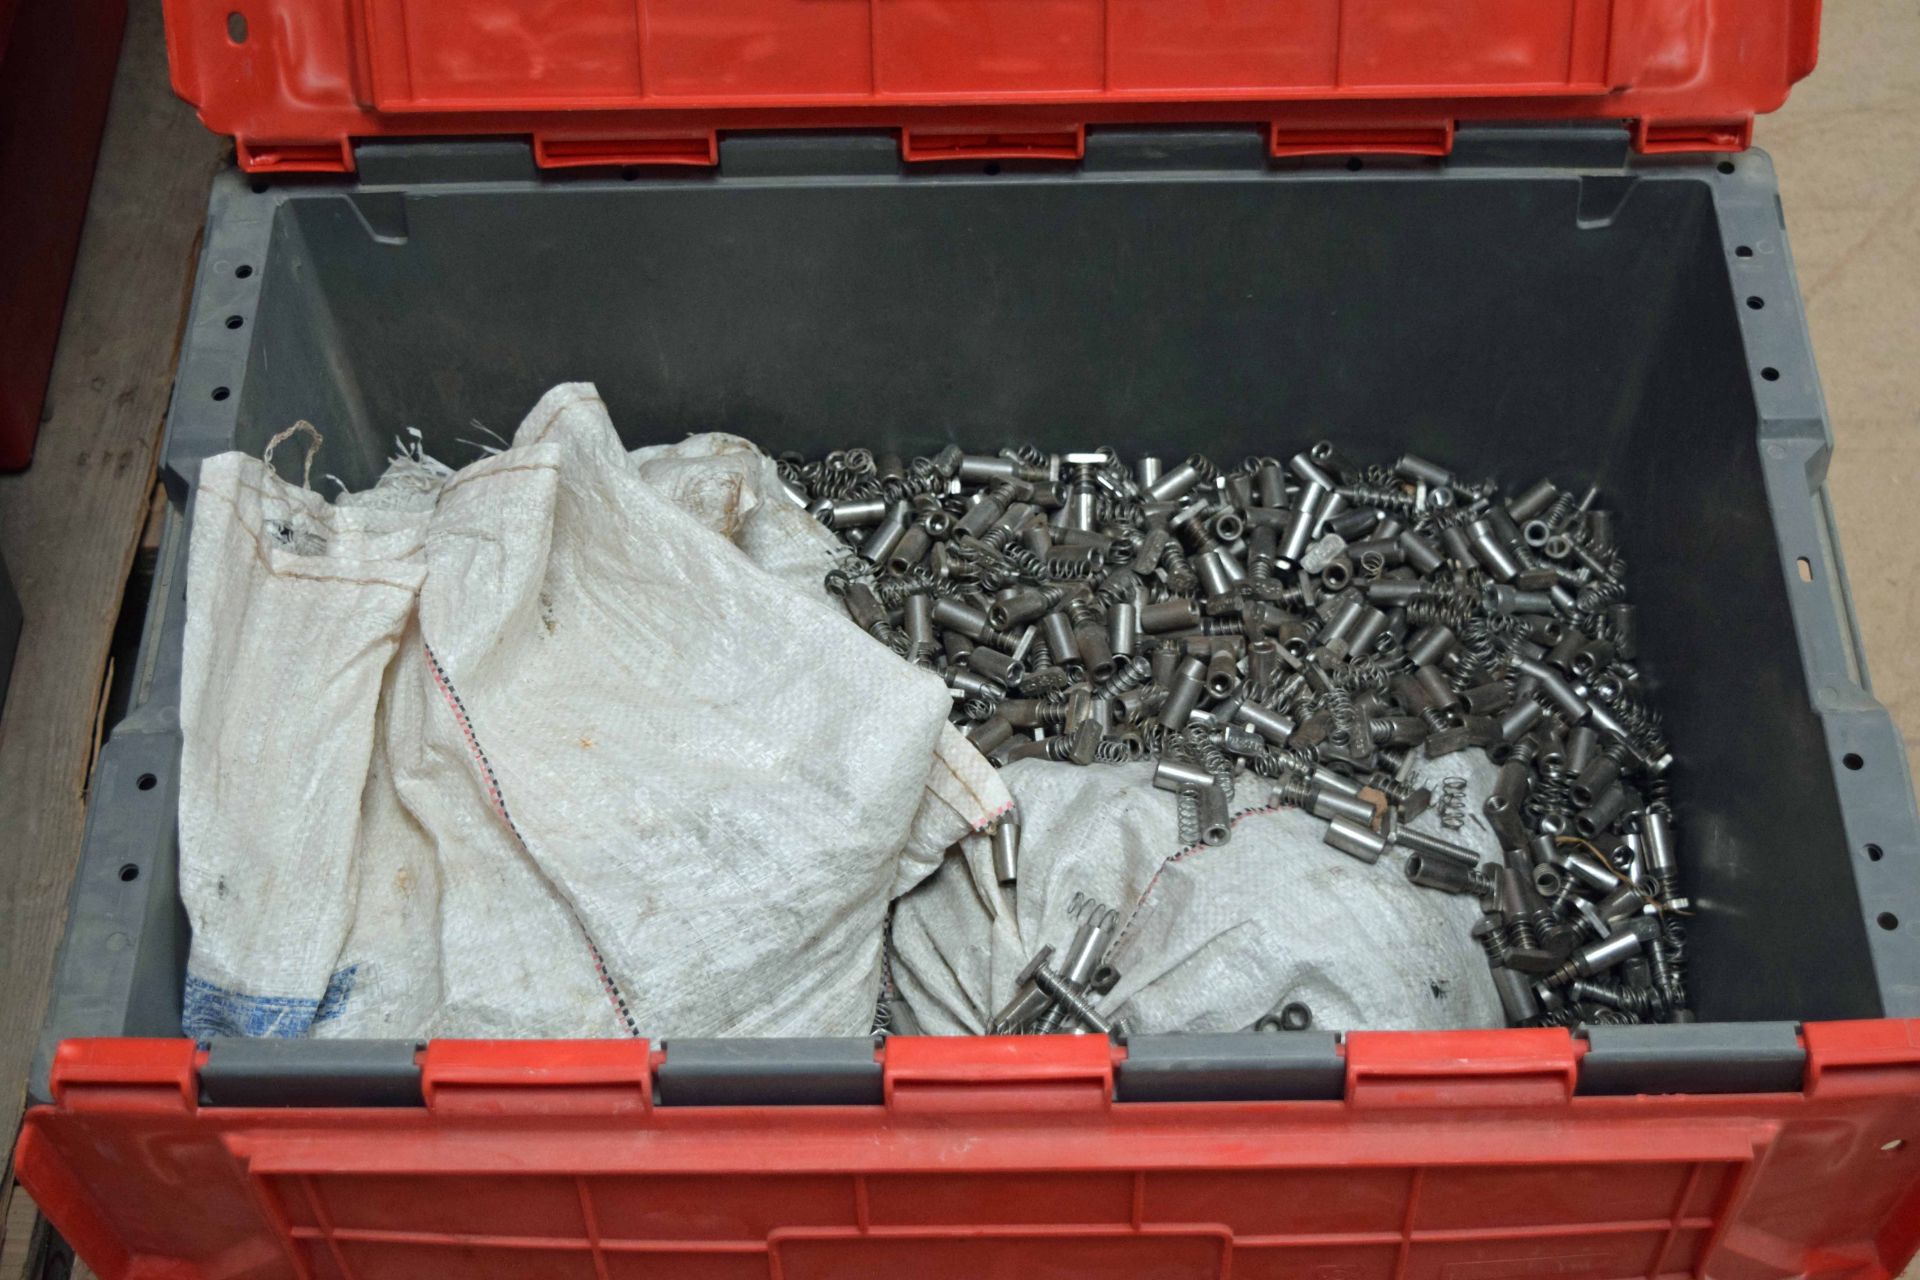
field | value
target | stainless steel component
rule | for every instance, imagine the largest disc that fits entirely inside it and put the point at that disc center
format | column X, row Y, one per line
column 1006, row 847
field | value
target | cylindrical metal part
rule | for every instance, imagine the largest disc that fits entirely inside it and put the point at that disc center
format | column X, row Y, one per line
column 1421, row 554
column 1591, row 872
column 1603, row 812
column 1434, row 848
column 1599, row 956
column 1517, row 1000
column 973, row 685
column 997, row 666
column 1581, row 745
column 918, row 620
column 855, row 513
column 990, row 734
column 1306, row 510
column 978, row 468
column 1431, row 645
column 864, row 607
column 1487, row 699
column 1414, row 467
column 1532, row 502
column 1223, row 673
column 1331, row 805
column 1272, row 485
column 1657, row 831
column 1214, row 578
column 1149, row 470
column 1439, row 873
column 1123, row 628
column 1555, row 686
column 1343, row 621
column 1095, row 656
column 1006, row 847
column 1015, row 605
column 1216, row 822
column 1310, row 472
column 1271, row 725
column 958, row 616
column 1176, row 614
column 1177, row 482
column 1179, row 775
column 1459, row 546
column 1057, row 629
column 1325, row 779
column 1601, row 773
column 888, row 534
column 980, row 516
column 1491, row 551
column 1367, row 630
column 1520, row 720
column 1183, row 693
column 1355, row 841
column 910, row 550
column 1434, row 687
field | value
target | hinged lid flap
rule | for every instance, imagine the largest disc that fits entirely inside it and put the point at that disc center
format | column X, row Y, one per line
column 600, row 82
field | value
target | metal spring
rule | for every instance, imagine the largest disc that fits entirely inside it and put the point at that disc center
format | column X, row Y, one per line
column 1294, row 791
column 1188, row 810
column 1362, row 673
column 1025, row 453
column 1338, row 704
column 1494, row 943
column 1179, row 570
column 1380, row 498
column 1599, row 595
column 1520, row 934
column 1389, row 786
column 1284, row 762
column 1567, row 1017
column 1556, row 516
column 1213, row 759
column 1114, row 751
column 1135, row 672
column 1372, row 564
column 1550, row 796
column 1118, row 586
column 977, row 708
column 1453, row 803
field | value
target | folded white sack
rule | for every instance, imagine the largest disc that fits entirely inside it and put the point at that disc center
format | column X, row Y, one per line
column 569, row 742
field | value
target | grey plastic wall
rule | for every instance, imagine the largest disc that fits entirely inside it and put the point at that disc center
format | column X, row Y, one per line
column 1539, row 304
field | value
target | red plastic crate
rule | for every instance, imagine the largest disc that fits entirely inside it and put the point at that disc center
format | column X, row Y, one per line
column 1463, row 1156
column 620, row 82
column 1460, row 1156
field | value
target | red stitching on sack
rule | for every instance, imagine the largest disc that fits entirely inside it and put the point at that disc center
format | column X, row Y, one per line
column 492, row 785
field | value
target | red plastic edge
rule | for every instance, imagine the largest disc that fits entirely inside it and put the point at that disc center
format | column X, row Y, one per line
column 653, row 82
column 1824, row 1181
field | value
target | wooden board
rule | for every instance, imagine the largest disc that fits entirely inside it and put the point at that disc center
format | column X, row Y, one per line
column 70, row 524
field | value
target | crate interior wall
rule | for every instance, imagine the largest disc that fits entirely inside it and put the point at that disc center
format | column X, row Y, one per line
column 1540, row 304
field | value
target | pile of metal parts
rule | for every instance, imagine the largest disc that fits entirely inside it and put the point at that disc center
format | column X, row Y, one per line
column 1314, row 625
column 1064, row 997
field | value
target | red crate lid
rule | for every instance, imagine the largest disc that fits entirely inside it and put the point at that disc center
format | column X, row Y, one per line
column 296, row 82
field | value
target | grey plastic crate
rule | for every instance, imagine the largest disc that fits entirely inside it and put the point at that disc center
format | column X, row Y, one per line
column 1540, row 303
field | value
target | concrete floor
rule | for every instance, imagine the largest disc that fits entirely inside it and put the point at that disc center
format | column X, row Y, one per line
column 1847, row 149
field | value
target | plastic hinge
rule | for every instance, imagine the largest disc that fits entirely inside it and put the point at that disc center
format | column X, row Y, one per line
column 1720, row 1057
column 971, row 1075
column 769, row 1073
column 1175, row 150
column 311, row 1073
column 426, row 161
column 1273, row 1066
column 809, row 155
column 1543, row 146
